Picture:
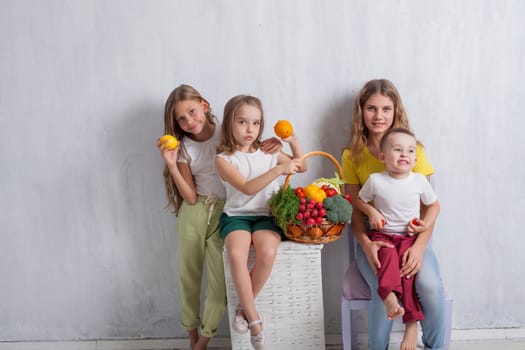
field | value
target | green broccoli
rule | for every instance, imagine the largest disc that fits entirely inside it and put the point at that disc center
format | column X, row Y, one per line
column 338, row 209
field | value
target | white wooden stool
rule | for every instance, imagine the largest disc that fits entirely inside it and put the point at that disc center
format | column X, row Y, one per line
column 291, row 301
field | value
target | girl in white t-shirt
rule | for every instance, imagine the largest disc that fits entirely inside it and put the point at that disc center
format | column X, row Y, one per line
column 250, row 177
column 197, row 196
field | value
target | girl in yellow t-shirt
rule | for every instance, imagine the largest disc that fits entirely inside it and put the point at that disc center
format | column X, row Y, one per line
column 377, row 108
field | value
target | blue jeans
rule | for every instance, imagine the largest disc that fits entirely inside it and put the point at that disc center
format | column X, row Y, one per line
column 430, row 291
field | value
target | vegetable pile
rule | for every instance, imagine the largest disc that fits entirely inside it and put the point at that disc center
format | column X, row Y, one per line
column 317, row 203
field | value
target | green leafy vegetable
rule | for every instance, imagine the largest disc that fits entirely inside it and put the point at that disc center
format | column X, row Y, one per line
column 338, row 209
column 284, row 205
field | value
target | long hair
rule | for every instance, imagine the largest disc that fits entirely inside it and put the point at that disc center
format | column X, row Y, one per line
column 171, row 127
column 358, row 131
column 228, row 144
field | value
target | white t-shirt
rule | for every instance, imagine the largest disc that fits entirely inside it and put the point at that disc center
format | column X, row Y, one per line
column 398, row 200
column 202, row 164
column 250, row 165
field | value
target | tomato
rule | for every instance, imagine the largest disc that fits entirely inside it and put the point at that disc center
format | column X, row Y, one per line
column 415, row 222
column 331, row 192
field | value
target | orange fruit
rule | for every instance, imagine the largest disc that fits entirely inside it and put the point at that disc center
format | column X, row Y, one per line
column 169, row 141
column 283, row 128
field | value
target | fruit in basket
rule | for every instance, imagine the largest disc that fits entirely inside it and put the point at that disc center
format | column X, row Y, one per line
column 283, row 128
column 299, row 192
column 169, row 141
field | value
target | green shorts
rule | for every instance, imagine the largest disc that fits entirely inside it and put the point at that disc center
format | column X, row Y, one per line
column 247, row 223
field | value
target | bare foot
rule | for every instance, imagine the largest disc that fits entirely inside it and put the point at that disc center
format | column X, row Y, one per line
column 393, row 309
column 194, row 337
column 410, row 339
column 202, row 344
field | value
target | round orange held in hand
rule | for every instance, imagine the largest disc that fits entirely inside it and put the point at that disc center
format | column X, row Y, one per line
column 169, row 141
column 283, row 128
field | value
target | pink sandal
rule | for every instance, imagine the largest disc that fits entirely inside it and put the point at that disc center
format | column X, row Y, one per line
column 259, row 339
column 240, row 323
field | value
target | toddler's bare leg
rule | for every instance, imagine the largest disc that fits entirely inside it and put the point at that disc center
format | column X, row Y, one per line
column 393, row 309
column 410, row 339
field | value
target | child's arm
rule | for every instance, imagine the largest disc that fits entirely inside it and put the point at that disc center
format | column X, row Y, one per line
column 180, row 172
column 376, row 220
column 370, row 248
column 230, row 174
column 297, row 152
column 364, row 197
column 428, row 220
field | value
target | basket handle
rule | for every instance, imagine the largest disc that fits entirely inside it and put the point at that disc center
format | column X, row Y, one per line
column 319, row 153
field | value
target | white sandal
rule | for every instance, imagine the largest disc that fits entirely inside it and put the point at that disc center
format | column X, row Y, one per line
column 240, row 323
column 259, row 339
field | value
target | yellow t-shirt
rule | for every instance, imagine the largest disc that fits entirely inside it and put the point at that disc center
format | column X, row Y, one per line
column 357, row 175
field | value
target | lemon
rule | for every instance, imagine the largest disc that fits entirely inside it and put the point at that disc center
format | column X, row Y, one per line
column 169, row 141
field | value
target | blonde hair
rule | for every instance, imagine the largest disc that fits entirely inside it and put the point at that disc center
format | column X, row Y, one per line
column 171, row 127
column 358, row 131
column 228, row 144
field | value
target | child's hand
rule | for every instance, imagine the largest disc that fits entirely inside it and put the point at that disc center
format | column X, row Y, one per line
column 416, row 226
column 377, row 221
column 169, row 155
column 291, row 167
column 271, row 146
column 290, row 139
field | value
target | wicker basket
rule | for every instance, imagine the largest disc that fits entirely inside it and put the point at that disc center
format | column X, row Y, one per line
column 325, row 232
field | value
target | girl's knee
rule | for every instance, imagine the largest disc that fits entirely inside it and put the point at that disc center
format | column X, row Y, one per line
column 266, row 256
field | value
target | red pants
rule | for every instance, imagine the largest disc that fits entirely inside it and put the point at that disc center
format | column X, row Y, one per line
column 389, row 275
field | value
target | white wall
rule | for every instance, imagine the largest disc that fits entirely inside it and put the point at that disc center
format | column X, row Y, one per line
column 87, row 249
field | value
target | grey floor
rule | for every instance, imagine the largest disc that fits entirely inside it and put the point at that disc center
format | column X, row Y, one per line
column 181, row 344
column 458, row 345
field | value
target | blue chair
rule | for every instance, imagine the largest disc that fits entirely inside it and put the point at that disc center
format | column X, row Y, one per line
column 356, row 296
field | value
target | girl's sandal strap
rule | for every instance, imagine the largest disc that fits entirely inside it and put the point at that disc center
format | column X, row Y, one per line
column 254, row 323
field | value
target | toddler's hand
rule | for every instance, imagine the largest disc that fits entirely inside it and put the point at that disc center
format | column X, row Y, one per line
column 416, row 226
column 377, row 221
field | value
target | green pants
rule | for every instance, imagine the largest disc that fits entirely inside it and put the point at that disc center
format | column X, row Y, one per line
column 199, row 242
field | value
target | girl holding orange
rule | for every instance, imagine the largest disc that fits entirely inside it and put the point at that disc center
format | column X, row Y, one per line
column 197, row 195
column 250, row 177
